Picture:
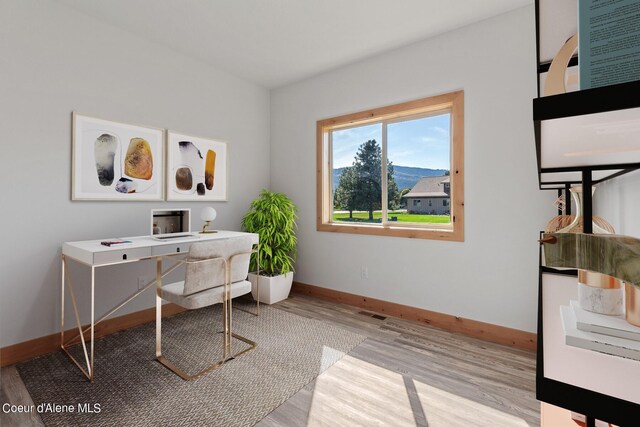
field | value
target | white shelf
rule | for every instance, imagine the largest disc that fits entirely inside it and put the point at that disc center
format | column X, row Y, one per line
column 591, row 370
column 608, row 138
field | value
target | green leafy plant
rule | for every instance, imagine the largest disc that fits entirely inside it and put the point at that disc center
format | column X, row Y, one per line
column 273, row 216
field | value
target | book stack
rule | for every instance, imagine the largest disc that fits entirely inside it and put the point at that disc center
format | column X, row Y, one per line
column 598, row 332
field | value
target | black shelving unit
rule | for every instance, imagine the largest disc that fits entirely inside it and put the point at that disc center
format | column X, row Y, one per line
column 588, row 402
column 608, row 99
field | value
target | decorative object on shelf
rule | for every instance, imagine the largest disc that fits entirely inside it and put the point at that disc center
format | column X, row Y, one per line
column 632, row 304
column 600, row 293
column 273, row 216
column 557, row 78
column 560, row 221
column 600, row 225
column 575, row 223
column 611, row 255
column 116, row 161
column 597, row 292
column 196, row 168
column 208, row 214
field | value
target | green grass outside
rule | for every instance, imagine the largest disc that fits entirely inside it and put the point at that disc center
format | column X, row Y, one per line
column 402, row 217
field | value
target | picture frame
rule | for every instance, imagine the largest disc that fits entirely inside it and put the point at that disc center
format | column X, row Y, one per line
column 197, row 168
column 116, row 161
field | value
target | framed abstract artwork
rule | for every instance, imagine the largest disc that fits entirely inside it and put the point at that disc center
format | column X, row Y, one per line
column 196, row 168
column 116, row 161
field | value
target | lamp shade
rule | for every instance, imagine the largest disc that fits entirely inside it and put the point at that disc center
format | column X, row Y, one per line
column 208, row 214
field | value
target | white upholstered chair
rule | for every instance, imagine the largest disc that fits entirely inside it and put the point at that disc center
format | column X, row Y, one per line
column 216, row 272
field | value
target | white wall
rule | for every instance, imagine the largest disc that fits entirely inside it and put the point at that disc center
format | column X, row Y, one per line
column 55, row 60
column 492, row 276
column 618, row 201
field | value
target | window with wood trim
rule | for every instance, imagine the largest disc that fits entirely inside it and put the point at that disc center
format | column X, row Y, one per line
column 375, row 167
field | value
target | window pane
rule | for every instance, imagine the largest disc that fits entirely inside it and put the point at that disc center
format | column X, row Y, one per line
column 419, row 155
column 418, row 138
column 356, row 159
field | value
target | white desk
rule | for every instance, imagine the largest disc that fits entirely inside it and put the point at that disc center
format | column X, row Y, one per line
column 94, row 255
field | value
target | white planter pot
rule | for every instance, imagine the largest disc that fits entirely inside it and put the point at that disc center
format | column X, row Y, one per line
column 272, row 289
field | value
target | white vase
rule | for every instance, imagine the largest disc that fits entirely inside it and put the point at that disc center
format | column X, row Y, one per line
column 272, row 289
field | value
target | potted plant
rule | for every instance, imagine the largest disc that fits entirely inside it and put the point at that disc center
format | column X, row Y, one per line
column 273, row 216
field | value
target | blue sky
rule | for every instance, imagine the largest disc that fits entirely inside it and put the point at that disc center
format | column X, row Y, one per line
column 420, row 143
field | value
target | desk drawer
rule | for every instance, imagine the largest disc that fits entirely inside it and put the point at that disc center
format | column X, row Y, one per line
column 176, row 248
column 120, row 255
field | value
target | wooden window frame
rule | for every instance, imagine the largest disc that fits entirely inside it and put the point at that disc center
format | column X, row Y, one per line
column 453, row 103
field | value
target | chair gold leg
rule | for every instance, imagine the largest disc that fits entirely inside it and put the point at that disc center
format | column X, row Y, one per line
column 228, row 336
column 248, row 341
column 257, row 312
column 182, row 374
column 227, row 305
column 247, row 311
column 256, row 251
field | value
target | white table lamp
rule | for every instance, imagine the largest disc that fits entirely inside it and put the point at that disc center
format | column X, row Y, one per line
column 208, row 214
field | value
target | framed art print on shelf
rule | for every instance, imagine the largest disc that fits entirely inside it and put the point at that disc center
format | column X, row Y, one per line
column 196, row 168
column 116, row 161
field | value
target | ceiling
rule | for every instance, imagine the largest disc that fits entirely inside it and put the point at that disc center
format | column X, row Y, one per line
column 277, row 42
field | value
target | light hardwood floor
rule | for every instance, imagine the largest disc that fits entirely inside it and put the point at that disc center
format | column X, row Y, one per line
column 404, row 373
column 442, row 379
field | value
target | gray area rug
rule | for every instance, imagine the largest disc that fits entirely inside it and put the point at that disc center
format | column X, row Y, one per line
column 132, row 389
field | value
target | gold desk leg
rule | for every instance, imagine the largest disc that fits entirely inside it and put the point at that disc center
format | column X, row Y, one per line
column 257, row 273
column 230, row 309
column 258, row 282
column 87, row 373
column 90, row 354
column 125, row 302
column 158, row 307
column 93, row 312
column 226, row 309
column 62, row 262
column 227, row 296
